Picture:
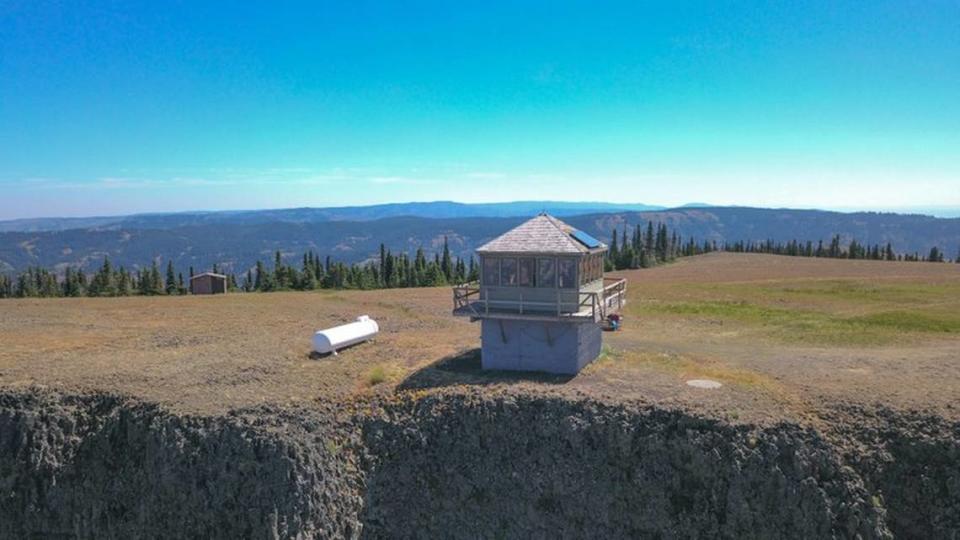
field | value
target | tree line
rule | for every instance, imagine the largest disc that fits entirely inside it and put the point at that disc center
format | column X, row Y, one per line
column 654, row 244
column 836, row 250
column 391, row 271
column 649, row 246
column 643, row 246
column 107, row 280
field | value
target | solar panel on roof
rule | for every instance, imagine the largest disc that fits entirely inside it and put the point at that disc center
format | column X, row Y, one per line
column 585, row 239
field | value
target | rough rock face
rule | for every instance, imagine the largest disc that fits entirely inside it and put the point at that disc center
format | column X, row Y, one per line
column 102, row 467
column 911, row 462
column 464, row 465
column 525, row 467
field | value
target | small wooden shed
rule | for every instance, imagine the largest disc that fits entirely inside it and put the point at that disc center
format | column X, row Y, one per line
column 208, row 283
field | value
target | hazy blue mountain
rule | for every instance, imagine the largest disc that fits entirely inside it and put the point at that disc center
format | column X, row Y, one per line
column 437, row 209
column 236, row 245
column 55, row 224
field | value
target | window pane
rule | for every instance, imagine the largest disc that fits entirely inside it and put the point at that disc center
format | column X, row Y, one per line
column 528, row 267
column 508, row 272
column 491, row 271
column 568, row 273
column 546, row 273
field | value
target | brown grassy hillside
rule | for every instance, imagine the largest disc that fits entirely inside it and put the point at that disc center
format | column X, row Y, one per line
column 782, row 334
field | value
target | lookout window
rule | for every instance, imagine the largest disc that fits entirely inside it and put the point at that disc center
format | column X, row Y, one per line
column 491, row 271
column 568, row 273
column 528, row 267
column 546, row 273
column 508, row 272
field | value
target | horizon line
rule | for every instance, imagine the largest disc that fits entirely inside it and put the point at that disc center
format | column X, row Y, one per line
column 953, row 212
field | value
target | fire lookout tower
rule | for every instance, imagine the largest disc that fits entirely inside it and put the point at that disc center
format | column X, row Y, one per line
column 541, row 298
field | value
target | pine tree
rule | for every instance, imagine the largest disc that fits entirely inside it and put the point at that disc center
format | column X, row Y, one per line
column 834, row 251
column 279, row 273
column 661, row 242
column 473, row 273
column 383, row 264
column 248, row 282
column 628, row 258
column 171, row 281
column 155, row 282
column 124, row 282
column 446, row 264
column 71, row 283
column 103, row 281
column 308, row 277
column 645, row 261
column 25, row 287
column 435, row 276
column 6, row 289
column 143, row 281
column 265, row 281
column 318, row 269
column 613, row 254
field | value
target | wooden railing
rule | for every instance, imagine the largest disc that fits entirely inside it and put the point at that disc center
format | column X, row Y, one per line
column 468, row 300
column 463, row 293
column 614, row 293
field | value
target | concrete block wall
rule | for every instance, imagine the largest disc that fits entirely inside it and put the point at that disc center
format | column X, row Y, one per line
column 552, row 347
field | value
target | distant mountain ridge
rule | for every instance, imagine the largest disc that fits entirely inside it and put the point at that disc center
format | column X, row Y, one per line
column 236, row 244
column 435, row 209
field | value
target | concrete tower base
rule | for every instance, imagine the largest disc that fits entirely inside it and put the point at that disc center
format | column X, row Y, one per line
column 553, row 347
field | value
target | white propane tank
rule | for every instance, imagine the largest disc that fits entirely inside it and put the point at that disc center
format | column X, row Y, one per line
column 330, row 340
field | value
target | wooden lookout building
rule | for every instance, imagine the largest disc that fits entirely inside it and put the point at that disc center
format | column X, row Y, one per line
column 208, row 283
column 541, row 298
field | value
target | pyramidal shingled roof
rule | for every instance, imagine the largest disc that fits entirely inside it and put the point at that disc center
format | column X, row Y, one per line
column 542, row 234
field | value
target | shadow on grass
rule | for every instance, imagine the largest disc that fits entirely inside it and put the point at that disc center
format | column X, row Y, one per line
column 464, row 368
column 314, row 355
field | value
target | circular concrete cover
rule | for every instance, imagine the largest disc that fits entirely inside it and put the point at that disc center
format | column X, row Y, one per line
column 703, row 383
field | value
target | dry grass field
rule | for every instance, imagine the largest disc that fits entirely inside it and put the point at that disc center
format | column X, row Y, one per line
column 785, row 336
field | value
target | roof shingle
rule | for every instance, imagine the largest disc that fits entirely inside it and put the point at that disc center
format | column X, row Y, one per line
column 542, row 234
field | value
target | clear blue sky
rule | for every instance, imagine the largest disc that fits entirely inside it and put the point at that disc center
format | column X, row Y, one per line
column 120, row 107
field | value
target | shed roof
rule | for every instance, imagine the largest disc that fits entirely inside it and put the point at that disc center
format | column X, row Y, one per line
column 211, row 274
column 542, row 234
